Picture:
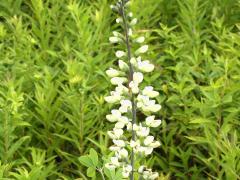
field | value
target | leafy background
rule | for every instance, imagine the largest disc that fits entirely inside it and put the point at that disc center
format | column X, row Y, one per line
column 53, row 54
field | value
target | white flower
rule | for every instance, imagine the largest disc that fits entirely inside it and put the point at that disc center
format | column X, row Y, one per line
column 142, row 49
column 133, row 22
column 130, row 14
column 148, row 140
column 140, row 104
column 119, row 125
column 134, row 144
column 153, row 176
column 122, row 153
column 118, row 80
column 112, row 6
column 113, row 72
column 110, row 166
column 150, row 122
column 148, row 150
column 137, row 77
column 129, row 126
column 125, row 106
column 148, row 174
column 119, row 143
column 116, row 114
column 121, row 89
column 120, row 54
column 124, row 120
column 114, row 161
column 150, row 106
column 119, row 20
column 115, row 97
column 114, row 39
column 122, row 65
column 134, row 87
column 155, row 144
column 116, row 133
column 114, row 148
column 140, row 39
column 133, row 61
column 136, row 127
column 143, row 99
column 145, row 66
column 117, row 34
column 148, row 91
column 141, row 169
column 130, row 32
column 143, row 131
column 126, row 171
column 155, row 107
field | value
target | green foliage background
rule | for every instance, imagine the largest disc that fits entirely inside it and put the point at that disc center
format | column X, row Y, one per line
column 53, row 54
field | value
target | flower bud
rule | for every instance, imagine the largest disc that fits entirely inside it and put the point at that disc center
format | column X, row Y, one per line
column 155, row 144
column 116, row 34
column 116, row 114
column 122, row 65
column 143, row 131
column 110, row 166
column 112, row 99
column 113, row 72
column 133, row 61
column 129, row 126
column 141, row 169
column 114, row 39
column 114, row 148
column 134, row 144
column 148, row 150
column 153, row 176
column 130, row 14
column 119, row 125
column 126, row 171
column 114, row 161
column 121, row 89
column 150, row 122
column 130, row 32
column 148, row 140
column 119, row 143
column 145, row 66
column 142, row 49
column 119, row 20
column 148, row 91
column 123, row 153
column 155, row 108
column 137, row 77
column 134, row 87
column 140, row 39
column 115, row 134
column 133, row 22
column 120, row 54
column 118, row 80
column 124, row 120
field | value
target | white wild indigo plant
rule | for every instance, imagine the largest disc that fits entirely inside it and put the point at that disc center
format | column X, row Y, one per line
column 132, row 141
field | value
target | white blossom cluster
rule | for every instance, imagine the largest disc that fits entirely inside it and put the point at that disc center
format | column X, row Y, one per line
column 122, row 98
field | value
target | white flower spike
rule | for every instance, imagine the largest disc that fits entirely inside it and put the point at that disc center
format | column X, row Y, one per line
column 131, row 136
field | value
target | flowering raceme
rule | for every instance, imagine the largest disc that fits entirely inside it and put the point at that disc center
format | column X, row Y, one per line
column 132, row 140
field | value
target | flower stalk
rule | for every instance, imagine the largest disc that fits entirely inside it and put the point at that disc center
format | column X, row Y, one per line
column 131, row 138
column 131, row 71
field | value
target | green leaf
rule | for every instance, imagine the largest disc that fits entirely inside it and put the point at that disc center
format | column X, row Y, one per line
column 86, row 161
column 91, row 172
column 94, row 156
